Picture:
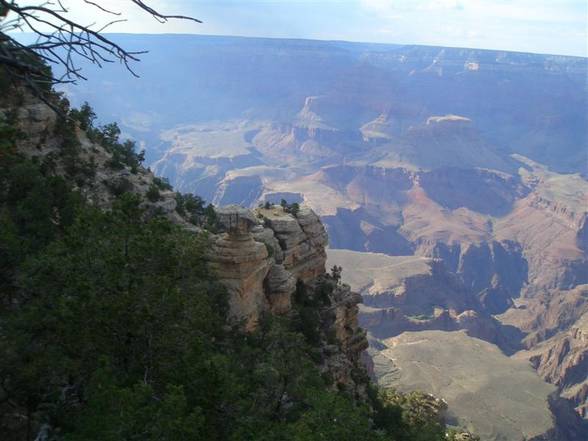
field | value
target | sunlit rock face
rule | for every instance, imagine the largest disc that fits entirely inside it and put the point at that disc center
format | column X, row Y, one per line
column 241, row 263
column 267, row 257
column 263, row 254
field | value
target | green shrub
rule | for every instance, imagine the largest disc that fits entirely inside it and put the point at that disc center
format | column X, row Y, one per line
column 124, row 153
column 119, row 186
column 270, row 250
column 85, row 116
column 190, row 206
column 153, row 194
column 162, row 183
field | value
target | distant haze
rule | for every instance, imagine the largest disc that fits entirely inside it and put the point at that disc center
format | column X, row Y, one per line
column 539, row 26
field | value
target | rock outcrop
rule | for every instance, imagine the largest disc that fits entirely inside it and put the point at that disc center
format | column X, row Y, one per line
column 45, row 134
column 266, row 258
column 241, row 263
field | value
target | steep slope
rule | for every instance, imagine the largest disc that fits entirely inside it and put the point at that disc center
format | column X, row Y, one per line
column 416, row 294
column 498, row 398
column 548, row 224
column 456, row 353
column 555, row 324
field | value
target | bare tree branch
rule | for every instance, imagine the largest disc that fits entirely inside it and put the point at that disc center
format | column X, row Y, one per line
column 102, row 8
column 160, row 16
column 62, row 41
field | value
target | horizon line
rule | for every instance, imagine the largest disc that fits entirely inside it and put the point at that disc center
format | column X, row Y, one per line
column 250, row 37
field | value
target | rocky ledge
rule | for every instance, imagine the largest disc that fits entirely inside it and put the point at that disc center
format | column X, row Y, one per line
column 268, row 259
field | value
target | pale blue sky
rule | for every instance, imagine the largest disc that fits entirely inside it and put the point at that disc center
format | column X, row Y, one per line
column 545, row 26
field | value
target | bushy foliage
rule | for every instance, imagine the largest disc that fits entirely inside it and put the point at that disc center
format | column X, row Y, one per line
column 195, row 210
column 413, row 416
column 162, row 183
column 153, row 194
column 306, row 304
column 85, row 116
column 293, row 208
column 123, row 153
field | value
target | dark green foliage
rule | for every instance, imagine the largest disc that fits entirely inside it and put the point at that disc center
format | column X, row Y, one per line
column 306, row 305
column 153, row 193
column 195, row 210
column 8, row 135
column 117, row 413
column 189, row 205
column 70, row 148
column 408, row 417
column 293, row 208
column 123, row 153
column 104, row 309
column 162, row 183
column 323, row 290
column 5, row 82
column 333, row 417
column 85, row 116
column 267, row 205
column 119, row 186
column 211, row 219
column 34, row 210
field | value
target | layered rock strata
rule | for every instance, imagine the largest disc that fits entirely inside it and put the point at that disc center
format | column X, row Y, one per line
column 265, row 258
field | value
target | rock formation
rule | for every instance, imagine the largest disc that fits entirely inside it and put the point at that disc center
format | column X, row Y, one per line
column 265, row 257
column 241, row 263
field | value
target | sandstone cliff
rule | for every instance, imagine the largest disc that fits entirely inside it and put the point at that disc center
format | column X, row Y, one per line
column 267, row 259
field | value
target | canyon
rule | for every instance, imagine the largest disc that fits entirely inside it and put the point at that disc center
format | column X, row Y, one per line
column 451, row 182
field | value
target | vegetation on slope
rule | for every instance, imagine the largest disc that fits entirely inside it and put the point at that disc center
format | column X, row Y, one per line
column 111, row 327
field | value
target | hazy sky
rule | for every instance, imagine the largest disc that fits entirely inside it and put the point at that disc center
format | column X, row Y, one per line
column 546, row 26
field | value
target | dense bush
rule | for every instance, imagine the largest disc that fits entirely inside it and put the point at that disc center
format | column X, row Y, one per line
column 162, row 183
column 153, row 194
column 293, row 208
column 124, row 153
column 195, row 210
